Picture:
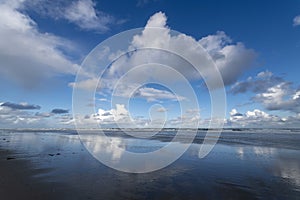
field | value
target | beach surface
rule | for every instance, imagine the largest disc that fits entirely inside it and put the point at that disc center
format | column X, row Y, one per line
column 244, row 164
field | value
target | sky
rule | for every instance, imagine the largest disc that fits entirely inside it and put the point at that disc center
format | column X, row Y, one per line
column 46, row 57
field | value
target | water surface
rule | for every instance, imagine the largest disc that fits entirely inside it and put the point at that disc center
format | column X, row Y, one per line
column 244, row 164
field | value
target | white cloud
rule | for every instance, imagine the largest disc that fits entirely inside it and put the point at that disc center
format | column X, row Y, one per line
column 191, row 118
column 280, row 97
column 296, row 95
column 25, row 115
column 152, row 94
column 255, row 118
column 10, row 117
column 27, row 55
column 265, row 74
column 234, row 114
column 273, row 92
column 20, row 118
column 161, row 109
column 83, row 14
column 115, row 117
column 118, row 115
column 296, row 20
column 231, row 59
column 103, row 100
column 88, row 84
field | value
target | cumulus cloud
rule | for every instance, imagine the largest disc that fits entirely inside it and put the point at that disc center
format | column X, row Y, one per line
column 119, row 116
column 20, row 106
column 24, row 115
column 255, row 118
column 27, row 55
column 59, row 111
column 235, row 114
column 280, row 97
column 120, row 113
column 258, row 118
column 109, row 118
column 260, row 83
column 138, row 64
column 18, row 115
column 273, row 92
column 231, row 59
column 296, row 20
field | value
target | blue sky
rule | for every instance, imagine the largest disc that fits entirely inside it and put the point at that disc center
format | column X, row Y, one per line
column 254, row 44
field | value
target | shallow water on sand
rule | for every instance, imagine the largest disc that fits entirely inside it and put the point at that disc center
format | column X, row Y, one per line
column 243, row 164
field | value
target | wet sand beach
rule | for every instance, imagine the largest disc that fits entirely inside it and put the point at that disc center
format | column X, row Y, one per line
column 243, row 165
